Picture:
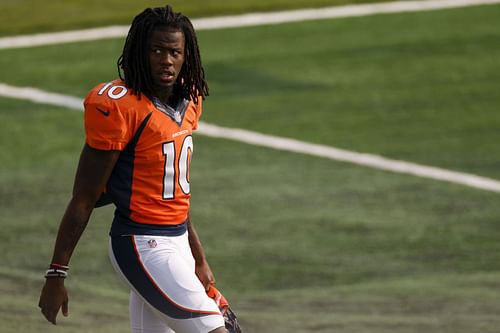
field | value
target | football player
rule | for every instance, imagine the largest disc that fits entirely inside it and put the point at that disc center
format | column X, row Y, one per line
column 136, row 155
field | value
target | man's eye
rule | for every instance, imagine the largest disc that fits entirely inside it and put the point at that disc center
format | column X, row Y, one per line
column 156, row 51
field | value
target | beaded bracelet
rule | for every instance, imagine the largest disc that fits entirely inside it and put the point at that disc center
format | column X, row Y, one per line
column 54, row 272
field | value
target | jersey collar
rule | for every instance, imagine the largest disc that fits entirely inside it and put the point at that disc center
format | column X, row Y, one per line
column 176, row 114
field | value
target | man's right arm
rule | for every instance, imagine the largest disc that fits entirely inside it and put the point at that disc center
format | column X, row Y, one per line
column 94, row 169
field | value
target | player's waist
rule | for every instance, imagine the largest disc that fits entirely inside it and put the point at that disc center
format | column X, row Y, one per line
column 125, row 226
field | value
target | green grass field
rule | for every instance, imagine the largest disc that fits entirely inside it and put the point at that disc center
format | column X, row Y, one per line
column 57, row 15
column 297, row 243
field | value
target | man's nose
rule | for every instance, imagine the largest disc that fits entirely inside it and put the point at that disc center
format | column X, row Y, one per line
column 166, row 59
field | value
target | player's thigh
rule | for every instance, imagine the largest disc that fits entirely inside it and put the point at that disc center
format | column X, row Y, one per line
column 155, row 269
column 143, row 319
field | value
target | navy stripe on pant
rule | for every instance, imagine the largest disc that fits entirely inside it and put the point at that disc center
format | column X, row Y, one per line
column 131, row 267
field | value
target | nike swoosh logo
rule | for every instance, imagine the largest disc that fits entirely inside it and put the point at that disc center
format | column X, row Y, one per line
column 104, row 112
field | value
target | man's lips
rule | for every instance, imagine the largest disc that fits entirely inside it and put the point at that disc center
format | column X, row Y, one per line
column 166, row 76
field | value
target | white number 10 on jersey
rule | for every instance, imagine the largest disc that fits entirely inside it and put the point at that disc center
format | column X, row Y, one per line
column 169, row 176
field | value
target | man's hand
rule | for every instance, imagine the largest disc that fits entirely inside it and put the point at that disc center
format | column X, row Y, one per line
column 230, row 319
column 53, row 297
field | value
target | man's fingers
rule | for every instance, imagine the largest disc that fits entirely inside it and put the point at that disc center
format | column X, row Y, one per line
column 65, row 308
column 52, row 318
column 50, row 315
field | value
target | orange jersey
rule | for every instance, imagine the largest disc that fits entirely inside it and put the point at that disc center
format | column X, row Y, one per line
column 150, row 182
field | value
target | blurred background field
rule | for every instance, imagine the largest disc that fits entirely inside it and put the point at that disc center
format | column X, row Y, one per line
column 297, row 243
column 31, row 16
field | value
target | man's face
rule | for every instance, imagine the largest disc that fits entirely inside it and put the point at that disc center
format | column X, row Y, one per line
column 166, row 57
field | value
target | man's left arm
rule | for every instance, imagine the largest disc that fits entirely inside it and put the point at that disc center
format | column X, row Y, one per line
column 202, row 269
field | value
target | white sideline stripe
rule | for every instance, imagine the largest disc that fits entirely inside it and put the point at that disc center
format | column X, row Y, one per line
column 280, row 143
column 247, row 20
column 39, row 96
column 368, row 160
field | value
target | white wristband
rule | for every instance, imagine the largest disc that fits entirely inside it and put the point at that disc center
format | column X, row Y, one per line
column 54, row 272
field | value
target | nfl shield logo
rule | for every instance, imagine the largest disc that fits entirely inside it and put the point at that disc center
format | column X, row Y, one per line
column 177, row 116
column 152, row 243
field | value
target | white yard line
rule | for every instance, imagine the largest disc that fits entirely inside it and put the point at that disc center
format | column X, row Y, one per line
column 369, row 160
column 246, row 20
column 280, row 143
column 41, row 97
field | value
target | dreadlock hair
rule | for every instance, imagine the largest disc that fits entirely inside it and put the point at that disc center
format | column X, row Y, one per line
column 134, row 60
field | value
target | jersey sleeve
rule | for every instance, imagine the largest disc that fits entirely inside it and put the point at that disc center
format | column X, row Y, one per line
column 198, row 111
column 106, row 124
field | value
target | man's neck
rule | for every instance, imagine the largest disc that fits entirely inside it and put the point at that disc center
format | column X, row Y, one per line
column 166, row 96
